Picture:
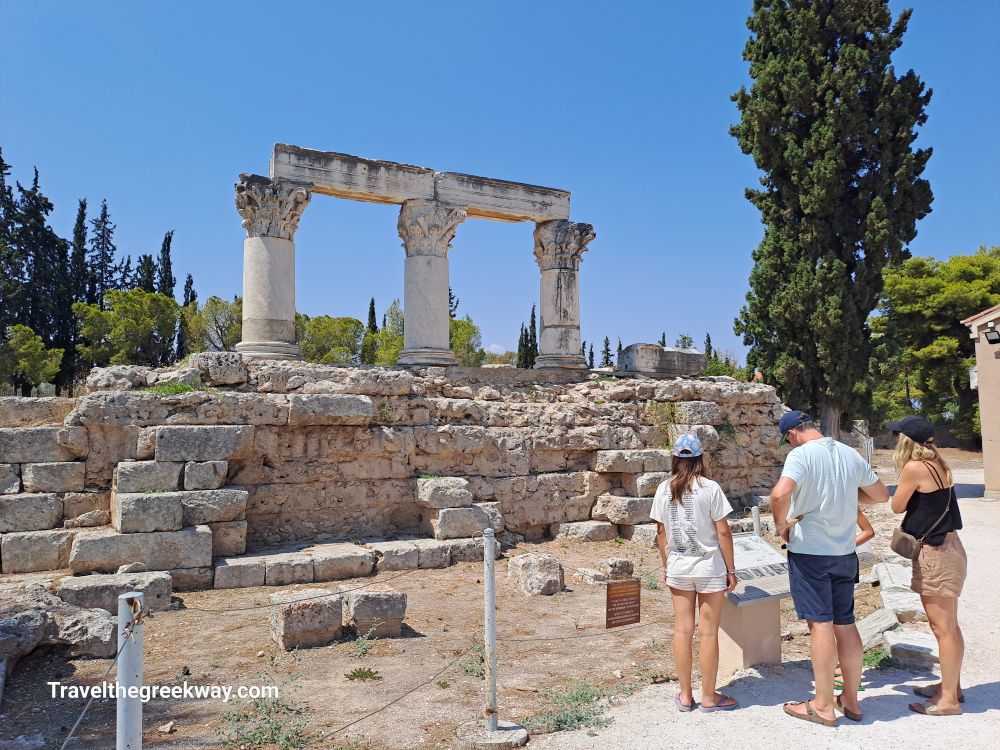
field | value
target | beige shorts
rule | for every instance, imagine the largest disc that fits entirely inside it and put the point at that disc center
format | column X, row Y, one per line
column 703, row 585
column 940, row 571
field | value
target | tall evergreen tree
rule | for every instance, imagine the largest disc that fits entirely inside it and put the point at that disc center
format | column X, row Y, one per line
column 188, row 306
column 590, row 358
column 372, row 324
column 11, row 262
column 532, row 340
column 145, row 274
column 583, row 348
column 663, row 339
column 832, row 126
column 102, row 255
column 452, row 304
column 165, row 281
column 522, row 345
column 124, row 277
column 606, row 353
column 79, row 272
column 619, row 353
column 190, row 295
column 709, row 351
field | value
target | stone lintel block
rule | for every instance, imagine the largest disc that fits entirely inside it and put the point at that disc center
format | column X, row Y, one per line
column 239, row 572
column 335, row 562
column 395, row 555
column 622, row 510
column 33, row 551
column 27, row 445
column 133, row 513
column 205, row 475
column 642, row 535
column 585, row 531
column 433, row 553
column 285, row 568
column 488, row 198
column 644, row 484
column 63, row 476
column 148, row 476
column 329, row 409
column 661, row 360
column 444, row 492
column 214, row 506
column 229, row 538
column 10, row 479
column 456, row 523
column 203, row 443
column 77, row 503
column 101, row 591
column 380, row 612
column 912, row 647
column 891, row 575
column 99, row 552
column 192, row 579
column 30, row 512
column 305, row 618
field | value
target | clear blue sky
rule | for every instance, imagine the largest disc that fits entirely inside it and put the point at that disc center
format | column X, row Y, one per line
column 157, row 107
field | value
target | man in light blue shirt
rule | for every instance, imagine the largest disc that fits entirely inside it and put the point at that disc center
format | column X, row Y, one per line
column 815, row 507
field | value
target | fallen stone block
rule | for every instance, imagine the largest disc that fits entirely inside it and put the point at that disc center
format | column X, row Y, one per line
column 192, row 579
column 432, row 553
column 904, row 603
column 28, row 445
column 33, row 551
column 874, row 625
column 219, row 368
column 622, row 510
column 10, row 479
column 468, row 550
column 118, row 378
column 642, row 535
column 508, row 539
column 591, row 577
column 102, row 591
column 286, row 568
column 912, row 648
column 32, row 616
column 203, row 443
column 395, row 555
column 309, row 617
column 444, row 492
column 148, row 476
column 164, row 550
column 27, row 512
column 229, row 538
column 456, row 523
column 335, row 562
column 536, row 574
column 329, row 409
column 644, row 484
column 214, row 506
column 379, row 612
column 585, row 531
column 133, row 513
column 205, row 475
column 77, row 503
column 891, row 575
column 239, row 573
column 88, row 519
column 492, row 511
column 616, row 568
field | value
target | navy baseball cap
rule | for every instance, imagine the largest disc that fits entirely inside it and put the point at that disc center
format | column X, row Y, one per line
column 790, row 420
column 915, row 427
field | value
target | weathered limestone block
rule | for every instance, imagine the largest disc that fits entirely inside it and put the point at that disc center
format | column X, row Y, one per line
column 213, row 506
column 469, row 550
column 661, row 360
column 18, row 411
column 182, row 376
column 203, row 443
column 591, row 576
column 906, row 604
column 25, row 445
column 32, row 551
column 585, row 531
column 76, row 440
column 912, row 648
column 536, row 574
column 334, row 562
column 192, row 579
column 874, row 625
column 286, row 568
column 645, row 484
column 329, row 409
column 205, row 475
column 220, row 368
column 622, row 510
column 641, row 535
column 30, row 512
column 632, row 461
column 432, row 553
column 133, row 513
column 380, row 612
column 10, row 479
column 36, row 617
column 891, row 575
column 239, row 572
column 118, row 378
column 310, row 617
column 110, row 444
column 148, row 476
column 529, row 504
column 444, row 492
column 87, row 520
column 164, row 550
column 78, row 503
column 616, row 567
column 492, row 510
column 102, row 591
column 455, row 523
column 395, row 555
column 229, row 538
column 698, row 412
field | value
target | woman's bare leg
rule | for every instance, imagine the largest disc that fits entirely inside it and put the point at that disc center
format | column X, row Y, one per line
column 942, row 614
column 684, row 604
column 710, row 609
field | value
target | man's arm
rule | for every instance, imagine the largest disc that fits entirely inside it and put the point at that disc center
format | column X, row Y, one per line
column 873, row 494
column 781, row 500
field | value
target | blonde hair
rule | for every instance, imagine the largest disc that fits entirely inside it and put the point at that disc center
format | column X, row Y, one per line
column 908, row 450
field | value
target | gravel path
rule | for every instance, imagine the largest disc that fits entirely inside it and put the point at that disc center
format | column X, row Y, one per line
column 649, row 720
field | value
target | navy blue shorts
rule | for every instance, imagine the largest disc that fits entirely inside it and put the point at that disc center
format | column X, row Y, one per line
column 823, row 586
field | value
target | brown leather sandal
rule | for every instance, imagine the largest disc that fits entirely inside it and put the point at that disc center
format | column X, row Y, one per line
column 931, row 691
column 810, row 715
column 847, row 714
column 929, row 709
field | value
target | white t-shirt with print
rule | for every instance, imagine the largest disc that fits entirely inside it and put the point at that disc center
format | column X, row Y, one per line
column 692, row 542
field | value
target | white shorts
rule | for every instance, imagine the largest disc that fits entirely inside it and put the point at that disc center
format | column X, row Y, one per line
column 701, row 584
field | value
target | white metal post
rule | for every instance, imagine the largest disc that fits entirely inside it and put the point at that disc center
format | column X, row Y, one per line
column 755, row 512
column 490, row 636
column 129, row 734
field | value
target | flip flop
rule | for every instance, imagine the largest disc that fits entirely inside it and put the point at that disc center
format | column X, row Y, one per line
column 721, row 705
column 931, row 691
column 810, row 715
column 929, row 709
column 847, row 714
column 681, row 707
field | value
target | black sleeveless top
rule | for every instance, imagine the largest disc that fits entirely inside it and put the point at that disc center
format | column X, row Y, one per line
column 925, row 508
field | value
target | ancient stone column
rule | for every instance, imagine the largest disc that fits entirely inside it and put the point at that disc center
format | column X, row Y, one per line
column 559, row 246
column 427, row 229
column 271, row 212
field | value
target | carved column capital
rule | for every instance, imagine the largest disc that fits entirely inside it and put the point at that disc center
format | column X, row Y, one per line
column 428, row 227
column 561, row 244
column 270, row 208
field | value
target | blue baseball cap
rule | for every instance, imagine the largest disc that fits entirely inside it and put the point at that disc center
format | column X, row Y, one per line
column 790, row 420
column 687, row 446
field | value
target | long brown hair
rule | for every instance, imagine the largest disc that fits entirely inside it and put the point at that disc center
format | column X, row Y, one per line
column 908, row 450
column 684, row 471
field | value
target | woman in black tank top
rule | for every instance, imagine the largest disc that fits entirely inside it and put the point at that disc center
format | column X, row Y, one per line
column 932, row 516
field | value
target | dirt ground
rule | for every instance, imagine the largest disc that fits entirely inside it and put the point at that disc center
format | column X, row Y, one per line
column 544, row 643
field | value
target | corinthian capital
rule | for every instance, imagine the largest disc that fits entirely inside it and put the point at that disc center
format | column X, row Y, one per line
column 427, row 227
column 561, row 244
column 270, row 208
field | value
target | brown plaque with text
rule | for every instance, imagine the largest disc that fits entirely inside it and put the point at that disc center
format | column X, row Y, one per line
column 623, row 602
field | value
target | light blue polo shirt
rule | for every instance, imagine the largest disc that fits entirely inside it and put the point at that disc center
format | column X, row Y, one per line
column 827, row 475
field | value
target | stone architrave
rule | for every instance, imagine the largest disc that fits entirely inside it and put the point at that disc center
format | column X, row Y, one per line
column 559, row 247
column 427, row 229
column 271, row 210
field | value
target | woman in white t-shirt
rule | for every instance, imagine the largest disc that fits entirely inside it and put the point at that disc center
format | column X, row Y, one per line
column 696, row 547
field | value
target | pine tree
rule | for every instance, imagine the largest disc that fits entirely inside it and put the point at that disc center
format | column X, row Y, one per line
column 606, row 353
column 663, row 339
column 590, row 358
column 452, row 303
column 372, row 324
column 709, row 352
column 165, row 281
column 532, row 340
column 145, row 274
column 102, row 255
column 124, row 277
column 832, row 127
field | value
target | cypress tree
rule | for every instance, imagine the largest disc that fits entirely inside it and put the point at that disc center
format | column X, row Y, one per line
column 521, row 346
column 78, row 270
column 11, row 262
column 145, row 274
column 165, row 281
column 832, row 126
column 709, row 352
column 663, row 339
column 532, row 340
column 123, row 275
column 606, row 353
column 102, row 255
column 619, row 347
column 583, row 348
column 372, row 325
column 590, row 358
column 452, row 304
column 183, row 334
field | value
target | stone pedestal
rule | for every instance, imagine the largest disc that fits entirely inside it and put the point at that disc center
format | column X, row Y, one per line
column 427, row 229
column 271, row 212
column 559, row 246
column 749, row 635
